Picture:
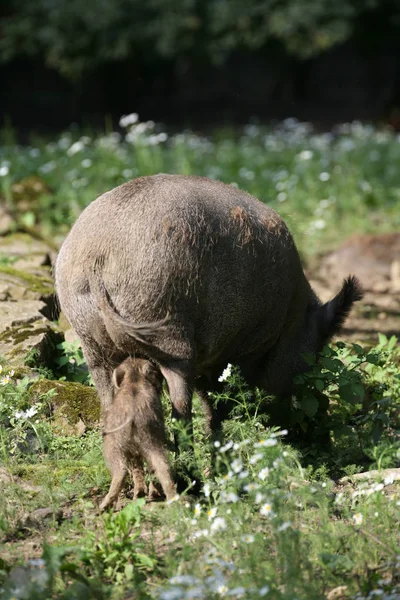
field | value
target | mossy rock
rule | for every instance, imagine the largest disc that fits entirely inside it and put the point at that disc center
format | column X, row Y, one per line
column 29, row 341
column 25, row 285
column 71, row 404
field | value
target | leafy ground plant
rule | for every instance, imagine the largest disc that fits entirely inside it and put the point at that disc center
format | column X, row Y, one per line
column 271, row 522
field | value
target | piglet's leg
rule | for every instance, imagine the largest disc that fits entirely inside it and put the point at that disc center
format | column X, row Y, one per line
column 118, row 472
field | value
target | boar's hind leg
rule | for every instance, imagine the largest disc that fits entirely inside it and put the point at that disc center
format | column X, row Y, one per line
column 179, row 380
column 180, row 385
column 101, row 370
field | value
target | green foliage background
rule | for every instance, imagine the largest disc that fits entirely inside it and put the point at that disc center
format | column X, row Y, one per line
column 75, row 37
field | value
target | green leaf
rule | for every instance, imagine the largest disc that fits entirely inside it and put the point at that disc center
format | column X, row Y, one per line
column 309, row 405
column 145, row 560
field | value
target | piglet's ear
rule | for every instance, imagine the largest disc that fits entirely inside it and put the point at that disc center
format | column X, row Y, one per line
column 152, row 373
column 118, row 376
column 333, row 314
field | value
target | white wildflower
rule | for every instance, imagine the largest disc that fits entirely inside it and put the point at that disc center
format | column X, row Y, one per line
column 259, row 498
column 284, row 526
column 86, row 163
column 247, row 538
column 227, row 446
column 231, row 497
column 127, row 120
column 264, row 590
column 4, row 170
column 263, row 474
column 251, row 487
column 255, row 458
column 222, row 590
column 173, row 499
column 5, row 380
column 219, row 524
column 266, row 443
column 197, row 510
column 266, row 510
column 211, row 513
column 305, row 155
column 237, row 592
column 207, row 490
column 237, row 465
column 75, row 148
column 358, row 519
column 225, row 373
column 319, row 224
column 324, row 176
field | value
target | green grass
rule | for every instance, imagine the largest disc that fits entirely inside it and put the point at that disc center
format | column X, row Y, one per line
column 275, row 520
column 327, row 186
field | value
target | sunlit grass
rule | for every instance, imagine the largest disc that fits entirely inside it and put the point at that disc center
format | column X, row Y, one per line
column 327, row 186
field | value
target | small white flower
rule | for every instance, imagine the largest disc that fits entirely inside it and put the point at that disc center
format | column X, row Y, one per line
column 324, row 176
column 305, row 155
column 211, row 513
column 174, row 499
column 259, row 498
column 75, row 148
column 266, row 510
column 5, row 380
column 225, row 373
column 207, row 490
column 127, row 120
column 358, row 519
column 263, row 474
column 247, row 538
column 227, row 446
column 200, row 533
column 251, row 487
column 266, row 443
column 4, row 170
column 281, row 197
column 217, row 444
column 264, row 590
column 219, row 524
column 391, row 478
column 86, row 163
column 222, row 590
column 238, row 592
column 281, row 432
column 255, row 458
column 12, row 373
column 31, row 412
column 197, row 510
column 237, row 465
column 231, row 497
column 284, row 526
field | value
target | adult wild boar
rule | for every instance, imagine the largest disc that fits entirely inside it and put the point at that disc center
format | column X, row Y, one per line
column 197, row 274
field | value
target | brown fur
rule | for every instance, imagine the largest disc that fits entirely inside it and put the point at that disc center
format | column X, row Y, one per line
column 173, row 245
column 134, row 430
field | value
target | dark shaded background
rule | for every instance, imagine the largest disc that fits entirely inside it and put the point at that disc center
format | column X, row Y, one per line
column 196, row 64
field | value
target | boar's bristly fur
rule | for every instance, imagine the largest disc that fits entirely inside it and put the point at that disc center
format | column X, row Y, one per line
column 191, row 273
